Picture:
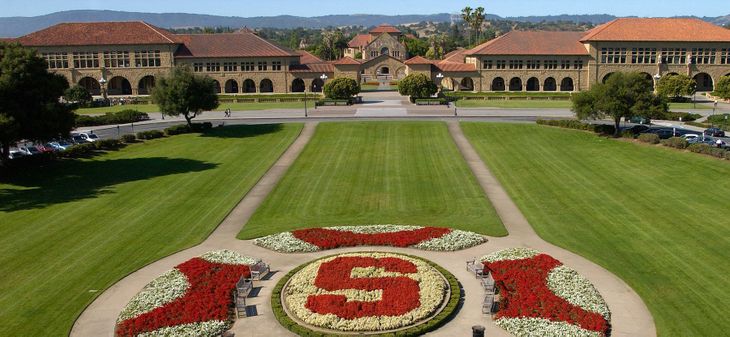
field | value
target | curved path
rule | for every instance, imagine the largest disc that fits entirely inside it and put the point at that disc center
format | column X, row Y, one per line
column 630, row 317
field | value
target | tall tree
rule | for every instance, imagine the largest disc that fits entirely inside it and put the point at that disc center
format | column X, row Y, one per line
column 675, row 87
column 477, row 22
column 467, row 16
column 624, row 95
column 29, row 99
column 185, row 93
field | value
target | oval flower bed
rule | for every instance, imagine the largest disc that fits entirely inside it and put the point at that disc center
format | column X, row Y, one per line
column 424, row 238
column 364, row 293
column 542, row 297
column 194, row 299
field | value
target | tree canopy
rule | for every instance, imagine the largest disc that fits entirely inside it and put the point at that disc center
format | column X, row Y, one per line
column 78, row 94
column 722, row 89
column 29, row 99
column 185, row 93
column 341, row 88
column 417, row 86
column 675, row 87
column 624, row 95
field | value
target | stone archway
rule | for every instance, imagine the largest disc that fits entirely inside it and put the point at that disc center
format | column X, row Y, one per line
column 550, row 84
column 266, row 86
column 605, row 78
column 119, row 86
column 533, row 84
column 91, row 85
column 298, row 85
column 317, row 85
column 704, row 82
column 515, row 84
column 649, row 78
column 384, row 70
column 217, row 86
column 231, row 87
column 466, row 84
column 567, row 84
column 145, row 85
column 249, row 86
column 400, row 73
column 498, row 84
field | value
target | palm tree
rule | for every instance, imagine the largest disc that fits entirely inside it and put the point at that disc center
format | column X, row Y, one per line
column 477, row 20
column 466, row 15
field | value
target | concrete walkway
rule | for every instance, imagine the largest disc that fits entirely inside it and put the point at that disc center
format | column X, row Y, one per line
column 630, row 316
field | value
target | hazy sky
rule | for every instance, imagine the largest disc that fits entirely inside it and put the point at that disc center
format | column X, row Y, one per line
column 248, row 8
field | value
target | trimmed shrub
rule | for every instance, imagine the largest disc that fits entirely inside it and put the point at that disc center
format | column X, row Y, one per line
column 676, row 142
column 627, row 134
column 417, row 86
column 178, row 130
column 79, row 151
column 121, row 117
column 717, row 152
column 727, row 155
column 604, row 129
column 152, row 134
column 341, row 88
column 129, row 139
column 686, row 116
column 699, row 148
column 650, row 138
column 108, row 144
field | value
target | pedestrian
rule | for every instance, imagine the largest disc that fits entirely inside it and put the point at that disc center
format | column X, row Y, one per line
column 163, row 115
column 228, row 112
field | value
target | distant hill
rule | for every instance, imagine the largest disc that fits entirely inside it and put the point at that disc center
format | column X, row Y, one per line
column 18, row 26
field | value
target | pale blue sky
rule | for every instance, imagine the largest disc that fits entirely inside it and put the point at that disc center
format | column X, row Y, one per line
column 247, row 8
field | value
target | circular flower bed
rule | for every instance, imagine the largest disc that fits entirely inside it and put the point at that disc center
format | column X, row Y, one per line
column 424, row 238
column 191, row 300
column 365, row 293
column 543, row 297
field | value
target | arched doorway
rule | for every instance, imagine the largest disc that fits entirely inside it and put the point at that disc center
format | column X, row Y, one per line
column 119, row 85
column 605, row 78
column 266, row 85
column 91, row 85
column 249, row 86
column 498, row 84
column 317, row 85
column 217, row 86
column 384, row 71
column 467, row 84
column 231, row 87
column 550, row 84
column 704, row 82
column 567, row 84
column 298, row 85
column 515, row 84
column 533, row 84
column 146, row 84
column 385, row 51
column 649, row 78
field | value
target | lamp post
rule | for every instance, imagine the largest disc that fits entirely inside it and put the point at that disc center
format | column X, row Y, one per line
column 657, row 77
column 305, row 101
column 324, row 79
column 103, row 82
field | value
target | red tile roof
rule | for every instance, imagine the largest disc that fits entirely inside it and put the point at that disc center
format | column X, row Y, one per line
column 456, row 66
column 240, row 44
column 419, row 60
column 457, row 55
column 7, row 39
column 360, row 40
column 98, row 33
column 533, row 43
column 385, row 28
column 346, row 61
column 308, row 58
column 658, row 29
column 313, row 68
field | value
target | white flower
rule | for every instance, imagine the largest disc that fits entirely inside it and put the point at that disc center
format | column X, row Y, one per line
column 204, row 329
column 456, row 240
column 510, row 254
column 229, row 257
column 375, row 229
column 285, row 243
column 577, row 290
column 162, row 290
column 538, row 327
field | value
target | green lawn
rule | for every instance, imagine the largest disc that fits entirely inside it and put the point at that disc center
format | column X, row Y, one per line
column 377, row 173
column 233, row 106
column 514, row 104
column 656, row 217
column 688, row 106
column 73, row 229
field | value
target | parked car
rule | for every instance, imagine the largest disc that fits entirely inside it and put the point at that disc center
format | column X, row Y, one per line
column 664, row 133
column 58, row 146
column 15, row 154
column 640, row 120
column 45, row 148
column 30, row 150
column 89, row 136
column 715, row 132
column 690, row 136
column 639, row 129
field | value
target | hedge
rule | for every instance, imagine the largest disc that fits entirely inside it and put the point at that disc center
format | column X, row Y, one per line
column 676, row 142
column 79, row 151
column 651, row 138
column 434, row 323
column 129, row 139
column 110, row 118
column 108, row 144
column 152, row 134
column 184, row 128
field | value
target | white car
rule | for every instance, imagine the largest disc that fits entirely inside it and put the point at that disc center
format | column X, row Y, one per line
column 87, row 136
column 691, row 136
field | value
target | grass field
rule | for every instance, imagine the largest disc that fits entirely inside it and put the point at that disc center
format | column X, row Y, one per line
column 377, row 173
column 656, row 217
column 689, row 106
column 71, row 230
column 233, row 106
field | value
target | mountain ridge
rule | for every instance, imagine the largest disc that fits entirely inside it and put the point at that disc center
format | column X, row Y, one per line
column 18, row 26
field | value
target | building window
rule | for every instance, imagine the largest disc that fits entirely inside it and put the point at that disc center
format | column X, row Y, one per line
column 533, row 64
column 674, row 55
column 56, row 60
column 578, row 64
column 116, row 59
column 703, row 55
column 516, row 64
column 230, row 66
column 147, row 58
column 613, row 55
column 643, row 55
column 396, row 53
column 276, row 65
column 564, row 64
column 86, row 60
column 212, row 67
column 725, row 57
column 373, row 54
column 248, row 66
column 488, row 64
column 551, row 64
column 501, row 64
column 198, row 67
column 263, row 66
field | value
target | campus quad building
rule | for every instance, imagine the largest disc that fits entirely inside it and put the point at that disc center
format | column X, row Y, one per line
column 126, row 58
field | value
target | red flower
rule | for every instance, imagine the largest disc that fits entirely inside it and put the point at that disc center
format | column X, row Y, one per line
column 525, row 293
column 330, row 239
column 208, row 298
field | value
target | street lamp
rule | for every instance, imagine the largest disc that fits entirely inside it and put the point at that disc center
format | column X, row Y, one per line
column 657, row 77
column 102, row 82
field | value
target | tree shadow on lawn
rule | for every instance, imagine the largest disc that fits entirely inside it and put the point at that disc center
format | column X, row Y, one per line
column 72, row 180
column 242, row 131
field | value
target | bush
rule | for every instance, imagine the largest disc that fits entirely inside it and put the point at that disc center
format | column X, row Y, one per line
column 78, row 94
column 675, row 87
column 341, row 88
column 121, row 117
column 650, row 138
column 686, row 116
column 178, row 130
column 676, row 142
column 627, row 134
column 79, row 151
column 604, row 129
column 129, row 139
column 699, row 148
column 152, row 134
column 722, row 89
column 417, row 86
column 108, row 144
column 727, row 155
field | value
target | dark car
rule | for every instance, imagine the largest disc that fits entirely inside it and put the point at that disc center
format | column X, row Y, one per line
column 664, row 133
column 30, row 150
column 715, row 132
column 639, row 129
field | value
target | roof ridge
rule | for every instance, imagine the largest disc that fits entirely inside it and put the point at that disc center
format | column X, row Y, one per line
column 593, row 32
column 281, row 49
column 486, row 44
column 157, row 31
